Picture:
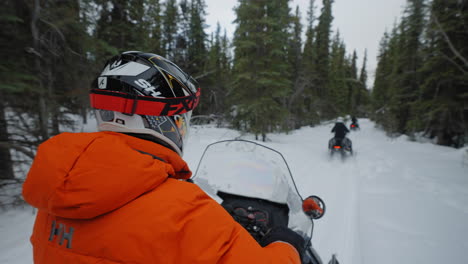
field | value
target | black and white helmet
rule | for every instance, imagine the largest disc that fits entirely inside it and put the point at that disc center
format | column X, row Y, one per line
column 145, row 94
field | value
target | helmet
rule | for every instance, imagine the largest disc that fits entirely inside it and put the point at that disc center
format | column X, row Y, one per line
column 340, row 120
column 146, row 95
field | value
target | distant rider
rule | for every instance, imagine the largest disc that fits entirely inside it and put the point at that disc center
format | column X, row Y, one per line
column 340, row 131
column 354, row 123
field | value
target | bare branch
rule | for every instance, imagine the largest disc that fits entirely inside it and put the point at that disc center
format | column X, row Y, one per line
column 449, row 42
column 33, row 51
column 300, row 87
column 54, row 27
column 454, row 63
column 21, row 149
column 4, row 183
column 62, row 37
column 204, row 74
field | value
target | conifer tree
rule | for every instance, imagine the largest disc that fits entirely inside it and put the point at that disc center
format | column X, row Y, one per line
column 44, row 46
column 406, row 79
column 296, row 103
column 262, row 33
column 380, row 89
column 119, row 27
column 309, row 74
column 338, row 73
column 352, row 84
column 363, row 95
column 6, row 163
column 363, row 72
column 170, row 21
column 322, row 48
column 384, row 92
column 182, row 35
column 421, row 78
column 152, row 22
column 209, row 98
column 441, row 108
column 197, row 50
column 309, row 49
column 216, row 78
column 14, row 74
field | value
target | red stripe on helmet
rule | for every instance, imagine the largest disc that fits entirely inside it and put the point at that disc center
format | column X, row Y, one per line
column 142, row 105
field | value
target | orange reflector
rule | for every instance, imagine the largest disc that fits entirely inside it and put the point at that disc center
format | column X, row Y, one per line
column 337, row 147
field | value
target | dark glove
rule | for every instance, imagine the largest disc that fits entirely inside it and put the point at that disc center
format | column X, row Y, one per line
column 281, row 233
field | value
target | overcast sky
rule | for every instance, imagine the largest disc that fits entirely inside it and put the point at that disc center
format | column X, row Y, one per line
column 361, row 22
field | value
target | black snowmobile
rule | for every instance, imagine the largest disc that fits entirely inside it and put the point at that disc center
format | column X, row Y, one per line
column 254, row 184
column 354, row 127
column 342, row 146
column 340, row 143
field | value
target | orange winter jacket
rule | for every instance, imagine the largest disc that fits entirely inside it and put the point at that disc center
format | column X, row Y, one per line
column 107, row 197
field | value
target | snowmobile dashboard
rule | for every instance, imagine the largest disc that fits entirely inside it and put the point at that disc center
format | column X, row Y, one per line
column 256, row 215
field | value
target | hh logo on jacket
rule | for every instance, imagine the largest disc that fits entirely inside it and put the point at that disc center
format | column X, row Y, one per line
column 61, row 232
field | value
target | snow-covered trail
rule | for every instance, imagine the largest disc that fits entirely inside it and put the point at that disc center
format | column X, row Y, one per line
column 395, row 201
column 334, row 180
column 413, row 201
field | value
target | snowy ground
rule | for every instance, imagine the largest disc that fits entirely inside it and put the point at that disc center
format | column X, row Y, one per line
column 395, row 201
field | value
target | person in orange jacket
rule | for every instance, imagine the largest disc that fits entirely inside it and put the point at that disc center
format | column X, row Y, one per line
column 122, row 195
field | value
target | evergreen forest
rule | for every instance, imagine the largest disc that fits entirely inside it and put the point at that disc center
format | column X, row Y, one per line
column 274, row 74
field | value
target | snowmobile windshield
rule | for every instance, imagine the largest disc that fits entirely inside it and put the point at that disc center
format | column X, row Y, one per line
column 248, row 169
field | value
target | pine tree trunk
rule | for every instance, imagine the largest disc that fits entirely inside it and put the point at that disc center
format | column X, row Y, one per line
column 6, row 164
column 43, row 113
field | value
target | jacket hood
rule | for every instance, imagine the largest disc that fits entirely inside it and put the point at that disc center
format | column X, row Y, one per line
column 84, row 175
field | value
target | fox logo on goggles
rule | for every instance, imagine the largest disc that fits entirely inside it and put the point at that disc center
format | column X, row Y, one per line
column 185, row 105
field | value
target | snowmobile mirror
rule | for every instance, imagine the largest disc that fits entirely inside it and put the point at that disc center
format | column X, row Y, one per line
column 314, row 207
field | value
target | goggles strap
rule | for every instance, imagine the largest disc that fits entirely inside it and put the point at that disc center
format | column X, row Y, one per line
column 142, row 105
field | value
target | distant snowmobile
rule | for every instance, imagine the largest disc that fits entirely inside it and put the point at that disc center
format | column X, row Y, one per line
column 340, row 143
column 354, row 127
column 342, row 146
column 354, row 124
column 254, row 184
